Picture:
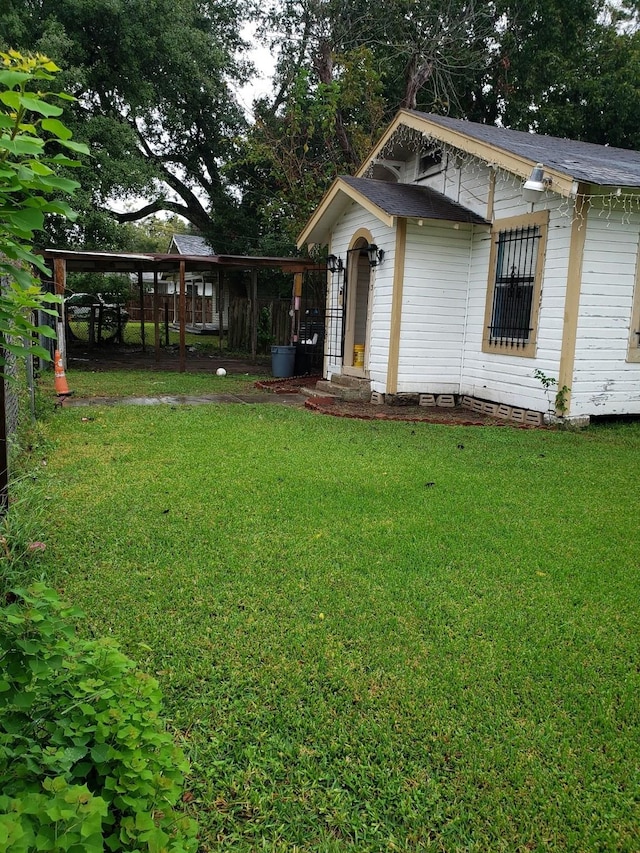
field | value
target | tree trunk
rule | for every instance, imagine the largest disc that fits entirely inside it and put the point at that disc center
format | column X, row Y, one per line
column 418, row 72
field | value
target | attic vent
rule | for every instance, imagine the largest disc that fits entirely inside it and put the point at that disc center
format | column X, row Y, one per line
column 429, row 163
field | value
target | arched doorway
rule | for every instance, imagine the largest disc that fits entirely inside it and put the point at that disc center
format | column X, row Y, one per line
column 358, row 305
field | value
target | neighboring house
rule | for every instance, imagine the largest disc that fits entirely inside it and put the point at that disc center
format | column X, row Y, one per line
column 462, row 273
column 204, row 290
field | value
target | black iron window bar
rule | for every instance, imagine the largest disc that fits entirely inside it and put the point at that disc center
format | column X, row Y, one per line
column 514, row 285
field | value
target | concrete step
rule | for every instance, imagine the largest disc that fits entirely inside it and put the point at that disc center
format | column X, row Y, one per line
column 360, row 395
column 325, row 386
column 316, row 392
column 357, row 382
column 359, row 391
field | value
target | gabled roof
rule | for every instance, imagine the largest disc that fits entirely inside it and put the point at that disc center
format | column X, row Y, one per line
column 386, row 201
column 595, row 164
column 189, row 244
column 565, row 160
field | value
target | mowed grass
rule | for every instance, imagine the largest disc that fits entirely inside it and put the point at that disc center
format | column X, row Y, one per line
column 132, row 334
column 150, row 383
column 370, row 636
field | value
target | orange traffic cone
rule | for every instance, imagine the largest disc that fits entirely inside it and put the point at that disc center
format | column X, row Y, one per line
column 60, row 380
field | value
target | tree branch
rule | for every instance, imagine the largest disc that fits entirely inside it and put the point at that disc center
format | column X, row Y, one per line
column 193, row 209
column 148, row 209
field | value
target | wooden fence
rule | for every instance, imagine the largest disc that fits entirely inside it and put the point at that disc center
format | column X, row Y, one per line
column 274, row 323
column 274, row 320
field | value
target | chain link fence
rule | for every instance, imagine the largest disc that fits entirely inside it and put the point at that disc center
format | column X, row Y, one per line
column 19, row 392
column 11, row 395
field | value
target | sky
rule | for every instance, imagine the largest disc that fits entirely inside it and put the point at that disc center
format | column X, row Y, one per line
column 265, row 63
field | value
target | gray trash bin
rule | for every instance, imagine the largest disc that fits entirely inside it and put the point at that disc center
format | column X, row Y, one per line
column 283, row 361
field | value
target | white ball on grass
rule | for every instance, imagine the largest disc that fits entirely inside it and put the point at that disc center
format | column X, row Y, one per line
column 221, row 372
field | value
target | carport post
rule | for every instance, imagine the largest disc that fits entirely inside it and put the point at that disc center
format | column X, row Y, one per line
column 156, row 320
column 254, row 313
column 60, row 281
column 183, row 318
column 141, row 291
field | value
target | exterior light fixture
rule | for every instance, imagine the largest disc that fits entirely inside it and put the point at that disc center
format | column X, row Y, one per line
column 375, row 254
column 535, row 184
column 334, row 264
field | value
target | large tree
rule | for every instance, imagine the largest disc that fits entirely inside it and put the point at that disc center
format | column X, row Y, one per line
column 155, row 81
column 565, row 67
column 154, row 85
column 562, row 67
column 344, row 67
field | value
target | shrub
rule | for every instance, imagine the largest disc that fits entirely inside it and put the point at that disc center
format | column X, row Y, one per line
column 85, row 761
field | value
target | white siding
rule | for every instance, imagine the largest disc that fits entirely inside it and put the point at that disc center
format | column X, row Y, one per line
column 508, row 199
column 433, row 307
column 500, row 377
column 354, row 219
column 604, row 383
column 467, row 183
column 445, row 292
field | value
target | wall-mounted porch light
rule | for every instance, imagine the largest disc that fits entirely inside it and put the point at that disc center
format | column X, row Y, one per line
column 334, row 264
column 536, row 184
column 375, row 254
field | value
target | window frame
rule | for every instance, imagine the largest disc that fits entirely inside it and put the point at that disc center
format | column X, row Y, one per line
column 435, row 167
column 633, row 349
column 513, row 346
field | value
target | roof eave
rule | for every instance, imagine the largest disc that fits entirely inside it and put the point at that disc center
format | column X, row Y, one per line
column 317, row 229
column 562, row 182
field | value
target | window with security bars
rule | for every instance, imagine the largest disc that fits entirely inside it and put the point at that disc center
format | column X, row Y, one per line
column 511, row 321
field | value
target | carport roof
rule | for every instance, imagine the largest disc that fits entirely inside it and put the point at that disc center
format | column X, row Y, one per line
column 125, row 262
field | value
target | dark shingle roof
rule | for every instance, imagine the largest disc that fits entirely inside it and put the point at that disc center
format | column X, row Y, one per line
column 583, row 161
column 188, row 244
column 411, row 200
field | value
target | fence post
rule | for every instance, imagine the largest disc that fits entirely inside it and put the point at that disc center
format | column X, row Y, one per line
column 254, row 313
column 31, row 390
column 141, row 292
column 220, row 286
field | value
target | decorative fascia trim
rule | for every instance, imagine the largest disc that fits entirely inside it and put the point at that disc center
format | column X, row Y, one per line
column 562, row 183
column 315, row 232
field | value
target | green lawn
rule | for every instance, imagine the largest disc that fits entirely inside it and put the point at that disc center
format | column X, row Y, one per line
column 151, row 383
column 131, row 334
column 371, row 636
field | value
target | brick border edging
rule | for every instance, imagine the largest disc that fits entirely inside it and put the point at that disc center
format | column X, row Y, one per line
column 286, row 385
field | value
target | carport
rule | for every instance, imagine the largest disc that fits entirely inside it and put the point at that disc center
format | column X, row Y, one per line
column 63, row 261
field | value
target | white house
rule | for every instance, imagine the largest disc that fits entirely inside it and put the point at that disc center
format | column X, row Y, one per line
column 206, row 292
column 471, row 261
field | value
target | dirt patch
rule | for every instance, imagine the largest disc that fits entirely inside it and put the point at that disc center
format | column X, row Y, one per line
column 417, row 414
column 133, row 358
column 455, row 416
column 287, row 386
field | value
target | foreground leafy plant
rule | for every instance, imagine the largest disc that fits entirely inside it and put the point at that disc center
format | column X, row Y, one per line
column 85, row 760
column 29, row 177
